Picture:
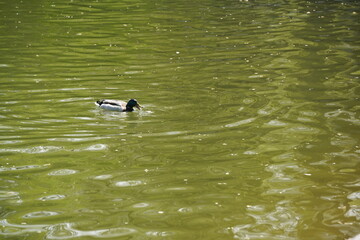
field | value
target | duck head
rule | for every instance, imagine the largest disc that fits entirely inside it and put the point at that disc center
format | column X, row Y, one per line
column 131, row 104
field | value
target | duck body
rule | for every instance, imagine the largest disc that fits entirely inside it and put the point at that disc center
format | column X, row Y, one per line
column 117, row 105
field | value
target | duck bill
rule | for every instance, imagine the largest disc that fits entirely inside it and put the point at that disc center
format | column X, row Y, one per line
column 138, row 106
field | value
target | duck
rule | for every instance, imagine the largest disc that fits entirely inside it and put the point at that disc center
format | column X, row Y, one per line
column 118, row 105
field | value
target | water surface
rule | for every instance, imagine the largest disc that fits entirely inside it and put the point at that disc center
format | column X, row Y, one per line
column 250, row 126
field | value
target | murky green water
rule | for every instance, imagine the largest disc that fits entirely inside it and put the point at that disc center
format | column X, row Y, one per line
column 250, row 128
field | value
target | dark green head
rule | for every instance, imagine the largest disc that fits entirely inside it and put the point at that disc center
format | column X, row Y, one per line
column 131, row 104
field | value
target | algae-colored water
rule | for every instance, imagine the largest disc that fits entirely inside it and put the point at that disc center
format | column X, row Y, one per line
column 250, row 127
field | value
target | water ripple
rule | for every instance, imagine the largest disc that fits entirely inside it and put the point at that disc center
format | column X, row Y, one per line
column 67, row 231
column 62, row 172
column 21, row 168
column 130, row 183
column 52, row 197
column 40, row 214
column 20, row 229
column 241, row 122
column 249, row 129
column 62, row 230
column 33, row 150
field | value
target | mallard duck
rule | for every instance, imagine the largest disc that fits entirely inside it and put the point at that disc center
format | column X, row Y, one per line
column 117, row 105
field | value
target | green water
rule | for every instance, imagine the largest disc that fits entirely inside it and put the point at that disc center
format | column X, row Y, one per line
column 250, row 127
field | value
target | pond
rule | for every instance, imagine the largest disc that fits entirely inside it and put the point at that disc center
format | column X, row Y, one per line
column 249, row 127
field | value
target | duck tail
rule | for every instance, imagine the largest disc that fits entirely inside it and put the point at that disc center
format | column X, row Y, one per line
column 99, row 102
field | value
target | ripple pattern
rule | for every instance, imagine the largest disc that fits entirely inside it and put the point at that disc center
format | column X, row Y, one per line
column 250, row 125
